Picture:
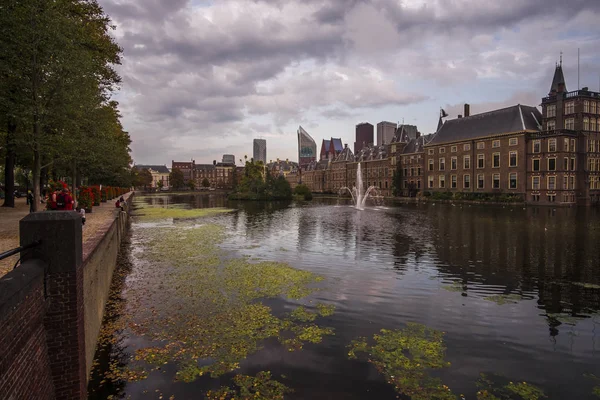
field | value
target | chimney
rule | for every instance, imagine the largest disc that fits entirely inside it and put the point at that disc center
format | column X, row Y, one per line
column 467, row 110
column 459, row 116
column 418, row 135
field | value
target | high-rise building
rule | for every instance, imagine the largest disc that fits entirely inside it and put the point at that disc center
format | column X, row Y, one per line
column 228, row 159
column 364, row 136
column 385, row 132
column 260, row 150
column 307, row 148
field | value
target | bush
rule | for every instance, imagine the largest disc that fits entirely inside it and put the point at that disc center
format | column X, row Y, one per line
column 308, row 196
column 426, row 194
column 302, row 190
column 85, row 198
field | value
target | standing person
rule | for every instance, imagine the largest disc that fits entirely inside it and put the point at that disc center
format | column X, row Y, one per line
column 69, row 201
column 81, row 212
column 30, row 200
column 61, row 200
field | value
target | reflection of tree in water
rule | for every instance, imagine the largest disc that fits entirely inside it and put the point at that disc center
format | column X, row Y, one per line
column 551, row 252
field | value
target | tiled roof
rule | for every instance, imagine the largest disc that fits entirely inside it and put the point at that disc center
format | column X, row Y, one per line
column 558, row 78
column 325, row 145
column 416, row 145
column 517, row 118
column 205, row 166
column 370, row 153
column 337, row 144
column 162, row 169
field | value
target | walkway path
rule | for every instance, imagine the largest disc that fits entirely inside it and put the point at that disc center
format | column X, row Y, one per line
column 9, row 226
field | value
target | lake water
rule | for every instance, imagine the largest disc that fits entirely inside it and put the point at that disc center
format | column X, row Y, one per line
column 516, row 291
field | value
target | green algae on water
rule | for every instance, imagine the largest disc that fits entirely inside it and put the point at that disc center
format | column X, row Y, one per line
column 261, row 387
column 202, row 310
column 502, row 299
column 455, row 287
column 405, row 357
column 496, row 387
column 147, row 213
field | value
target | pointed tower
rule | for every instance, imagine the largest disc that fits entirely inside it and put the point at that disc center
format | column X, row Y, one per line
column 558, row 82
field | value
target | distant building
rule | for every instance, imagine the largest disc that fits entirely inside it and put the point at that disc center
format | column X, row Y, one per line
column 187, row 167
column 282, row 168
column 364, row 136
column 219, row 175
column 331, row 148
column 385, row 132
column 307, row 148
column 228, row 158
column 260, row 150
column 160, row 173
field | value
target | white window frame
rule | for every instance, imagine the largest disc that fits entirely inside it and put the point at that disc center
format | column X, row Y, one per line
column 480, row 145
column 533, row 184
column 467, row 147
column 516, row 154
column 499, row 182
column 510, row 174
column 441, row 161
column 465, row 160
column 466, row 177
column 539, row 162
column 513, row 141
column 495, row 144
column 494, row 159
column 453, row 149
column 453, row 182
column 453, row 163
column 551, row 125
column 548, row 164
column 482, row 181
column 480, row 157
column 551, row 143
column 539, row 146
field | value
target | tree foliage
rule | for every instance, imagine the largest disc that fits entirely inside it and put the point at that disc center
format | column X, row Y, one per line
column 57, row 75
column 205, row 182
column 257, row 184
column 176, row 178
column 144, row 178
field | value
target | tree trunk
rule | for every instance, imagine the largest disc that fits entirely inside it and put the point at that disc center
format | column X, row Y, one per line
column 9, row 167
column 74, row 177
column 37, row 164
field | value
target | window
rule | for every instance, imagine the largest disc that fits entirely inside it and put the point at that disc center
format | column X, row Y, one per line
column 442, row 181
column 430, row 182
column 513, row 141
column 467, row 162
column 552, row 145
column 565, row 182
column 572, row 180
column 551, row 183
column 552, row 164
column 570, row 107
column 572, row 164
column 496, row 181
column 535, row 183
column 430, row 164
column 591, row 146
column 453, row 181
column 512, row 180
column 480, row 160
column 412, row 172
column 535, row 197
column 551, row 125
column 442, row 164
column 551, row 111
column 430, row 151
column 566, row 164
column 496, row 160
column 418, row 184
column 586, row 124
column 570, row 123
column 467, row 147
column 453, row 149
column 537, row 146
column 536, row 164
column 480, row 181
column 418, row 171
column 593, row 125
column 453, row 163
column 551, row 198
column 593, row 107
column 566, row 144
column 495, row 143
column 512, row 159
column 480, row 145
column 442, row 150
column 466, row 181
column 405, row 172
column 586, row 106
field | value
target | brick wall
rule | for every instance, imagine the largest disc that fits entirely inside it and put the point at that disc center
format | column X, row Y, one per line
column 24, row 361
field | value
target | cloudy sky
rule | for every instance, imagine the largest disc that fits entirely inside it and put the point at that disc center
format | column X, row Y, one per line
column 202, row 78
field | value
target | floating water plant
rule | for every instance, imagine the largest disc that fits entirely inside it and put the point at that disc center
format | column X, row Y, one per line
column 502, row 299
column 455, row 287
column 201, row 310
column 405, row 357
column 261, row 387
column 496, row 387
column 147, row 213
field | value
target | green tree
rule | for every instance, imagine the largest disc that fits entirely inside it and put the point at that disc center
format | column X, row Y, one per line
column 176, row 178
column 205, row 182
column 56, row 69
column 190, row 184
column 144, row 178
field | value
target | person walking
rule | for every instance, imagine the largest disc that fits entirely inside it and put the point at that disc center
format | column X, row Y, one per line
column 61, row 200
column 30, row 200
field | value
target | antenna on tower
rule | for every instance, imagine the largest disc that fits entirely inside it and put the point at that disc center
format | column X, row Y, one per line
column 578, row 69
column 560, row 59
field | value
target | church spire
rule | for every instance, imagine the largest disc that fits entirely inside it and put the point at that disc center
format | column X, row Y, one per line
column 559, row 78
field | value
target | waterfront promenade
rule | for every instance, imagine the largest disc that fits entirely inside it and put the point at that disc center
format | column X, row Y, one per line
column 9, row 227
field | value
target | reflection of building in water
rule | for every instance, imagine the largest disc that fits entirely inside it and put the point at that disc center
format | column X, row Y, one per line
column 553, row 253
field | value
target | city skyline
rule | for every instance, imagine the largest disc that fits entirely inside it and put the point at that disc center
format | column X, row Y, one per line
column 207, row 79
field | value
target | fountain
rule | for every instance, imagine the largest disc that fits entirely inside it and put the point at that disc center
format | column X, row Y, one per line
column 358, row 197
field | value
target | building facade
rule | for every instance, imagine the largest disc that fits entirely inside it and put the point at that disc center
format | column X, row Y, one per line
column 385, row 132
column 160, row 174
column 260, row 150
column 364, row 136
column 307, row 148
column 218, row 175
column 188, row 168
column 228, row 159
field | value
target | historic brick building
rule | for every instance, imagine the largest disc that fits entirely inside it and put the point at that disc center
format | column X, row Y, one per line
column 187, row 167
column 219, row 175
